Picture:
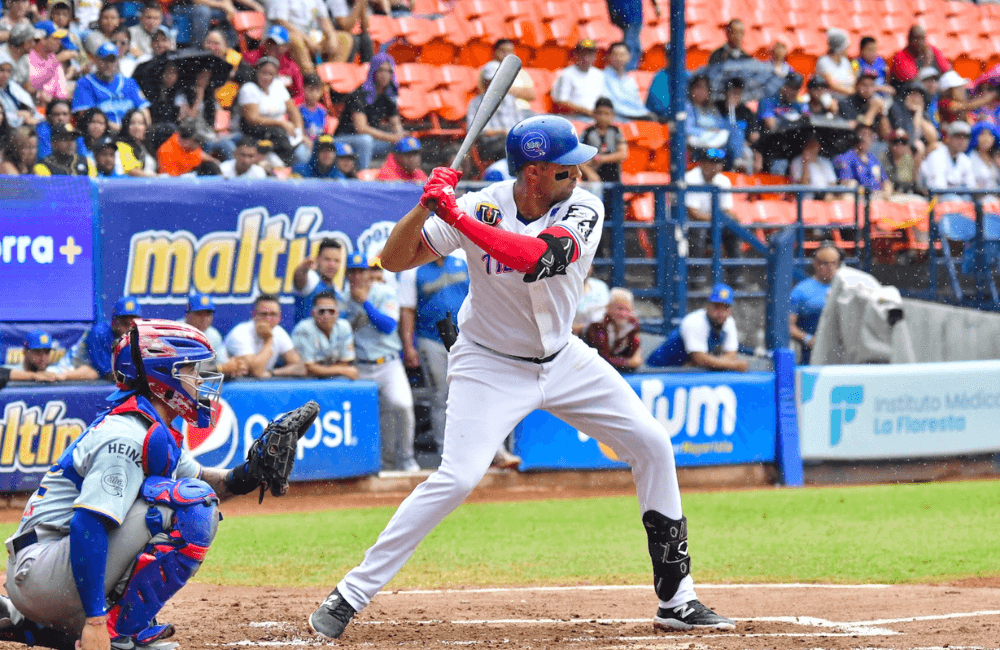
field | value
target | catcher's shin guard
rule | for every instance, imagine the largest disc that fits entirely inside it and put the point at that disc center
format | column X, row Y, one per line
column 174, row 553
column 668, row 548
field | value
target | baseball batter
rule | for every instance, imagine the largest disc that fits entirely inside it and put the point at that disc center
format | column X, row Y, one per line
column 529, row 243
column 124, row 518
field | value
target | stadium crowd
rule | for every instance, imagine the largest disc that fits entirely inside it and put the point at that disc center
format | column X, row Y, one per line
column 172, row 89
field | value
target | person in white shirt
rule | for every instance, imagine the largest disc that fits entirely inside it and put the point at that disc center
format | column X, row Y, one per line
column 242, row 164
column 261, row 341
column 699, row 205
column 579, row 85
column 949, row 166
column 523, row 87
column 810, row 168
column 835, row 67
column 706, row 338
column 267, row 112
column 302, row 19
column 201, row 314
column 621, row 87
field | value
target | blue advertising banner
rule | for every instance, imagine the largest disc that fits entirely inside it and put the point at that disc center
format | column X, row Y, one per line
column 233, row 240
column 13, row 335
column 46, row 249
column 713, row 419
column 40, row 421
column 344, row 440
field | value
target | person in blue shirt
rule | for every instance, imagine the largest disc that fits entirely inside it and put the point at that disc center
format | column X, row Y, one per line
column 57, row 111
column 869, row 62
column 706, row 338
column 859, row 166
column 428, row 294
column 108, row 90
column 93, row 352
column 809, row 297
column 658, row 95
column 323, row 162
column 314, row 276
column 784, row 106
column 313, row 113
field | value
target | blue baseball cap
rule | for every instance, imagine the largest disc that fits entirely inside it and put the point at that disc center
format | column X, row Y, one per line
column 38, row 340
column 358, row 261
column 68, row 44
column 722, row 293
column 107, row 51
column 408, row 145
column 278, row 34
column 200, row 302
column 343, row 149
column 49, row 28
column 126, row 306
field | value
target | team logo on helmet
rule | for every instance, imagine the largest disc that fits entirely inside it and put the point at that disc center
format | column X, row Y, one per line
column 534, row 145
column 488, row 214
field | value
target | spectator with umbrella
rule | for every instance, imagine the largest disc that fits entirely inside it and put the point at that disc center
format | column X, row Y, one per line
column 820, row 102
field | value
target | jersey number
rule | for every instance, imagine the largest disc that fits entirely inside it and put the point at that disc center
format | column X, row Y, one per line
column 494, row 267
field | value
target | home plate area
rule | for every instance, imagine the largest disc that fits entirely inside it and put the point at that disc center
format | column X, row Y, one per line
column 925, row 617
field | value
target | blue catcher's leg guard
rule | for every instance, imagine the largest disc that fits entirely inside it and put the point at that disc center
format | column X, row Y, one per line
column 172, row 556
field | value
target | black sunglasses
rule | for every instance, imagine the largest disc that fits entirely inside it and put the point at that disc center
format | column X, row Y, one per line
column 326, row 310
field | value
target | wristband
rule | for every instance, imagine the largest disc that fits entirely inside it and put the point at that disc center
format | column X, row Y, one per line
column 238, row 481
column 94, row 621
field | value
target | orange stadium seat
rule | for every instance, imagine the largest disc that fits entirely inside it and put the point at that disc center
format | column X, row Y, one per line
column 382, row 29
column 249, row 23
column 342, row 77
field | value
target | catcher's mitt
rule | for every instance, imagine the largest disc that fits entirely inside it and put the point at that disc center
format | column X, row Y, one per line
column 271, row 456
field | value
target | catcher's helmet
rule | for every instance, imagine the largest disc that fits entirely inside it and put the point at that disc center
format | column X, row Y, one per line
column 148, row 359
column 545, row 138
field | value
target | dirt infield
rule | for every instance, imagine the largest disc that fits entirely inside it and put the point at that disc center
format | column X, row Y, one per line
column 959, row 616
column 590, row 618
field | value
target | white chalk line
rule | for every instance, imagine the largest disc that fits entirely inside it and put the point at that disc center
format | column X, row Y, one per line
column 498, row 590
column 832, row 629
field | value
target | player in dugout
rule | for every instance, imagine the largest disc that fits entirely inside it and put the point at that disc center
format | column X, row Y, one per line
column 533, row 240
column 706, row 338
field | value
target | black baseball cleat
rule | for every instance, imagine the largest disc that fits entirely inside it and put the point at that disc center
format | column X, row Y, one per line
column 332, row 617
column 689, row 616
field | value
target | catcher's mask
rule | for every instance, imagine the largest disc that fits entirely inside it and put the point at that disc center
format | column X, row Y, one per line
column 154, row 358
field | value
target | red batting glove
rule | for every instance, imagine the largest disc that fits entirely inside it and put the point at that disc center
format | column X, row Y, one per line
column 446, row 175
column 446, row 207
column 440, row 178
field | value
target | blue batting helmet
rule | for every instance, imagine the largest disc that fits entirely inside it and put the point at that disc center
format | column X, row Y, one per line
column 545, row 138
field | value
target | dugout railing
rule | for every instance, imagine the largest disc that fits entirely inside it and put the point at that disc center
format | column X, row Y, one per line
column 963, row 248
column 770, row 257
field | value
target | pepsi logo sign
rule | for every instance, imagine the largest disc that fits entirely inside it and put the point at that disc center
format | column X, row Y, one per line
column 534, row 145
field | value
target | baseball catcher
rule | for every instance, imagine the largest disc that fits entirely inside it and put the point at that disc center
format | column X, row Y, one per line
column 126, row 515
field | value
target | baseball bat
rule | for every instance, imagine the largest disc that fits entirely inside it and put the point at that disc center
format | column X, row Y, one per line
column 497, row 90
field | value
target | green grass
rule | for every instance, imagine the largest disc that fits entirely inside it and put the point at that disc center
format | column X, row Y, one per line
column 887, row 534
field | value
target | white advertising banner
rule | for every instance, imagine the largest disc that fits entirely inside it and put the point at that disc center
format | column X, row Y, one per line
column 898, row 411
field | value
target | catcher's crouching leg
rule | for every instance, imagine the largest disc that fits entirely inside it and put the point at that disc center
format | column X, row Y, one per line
column 668, row 548
column 183, row 518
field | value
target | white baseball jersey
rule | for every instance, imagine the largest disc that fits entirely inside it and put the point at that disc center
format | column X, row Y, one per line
column 105, row 477
column 503, row 312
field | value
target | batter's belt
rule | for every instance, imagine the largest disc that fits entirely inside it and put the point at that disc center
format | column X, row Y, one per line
column 538, row 360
